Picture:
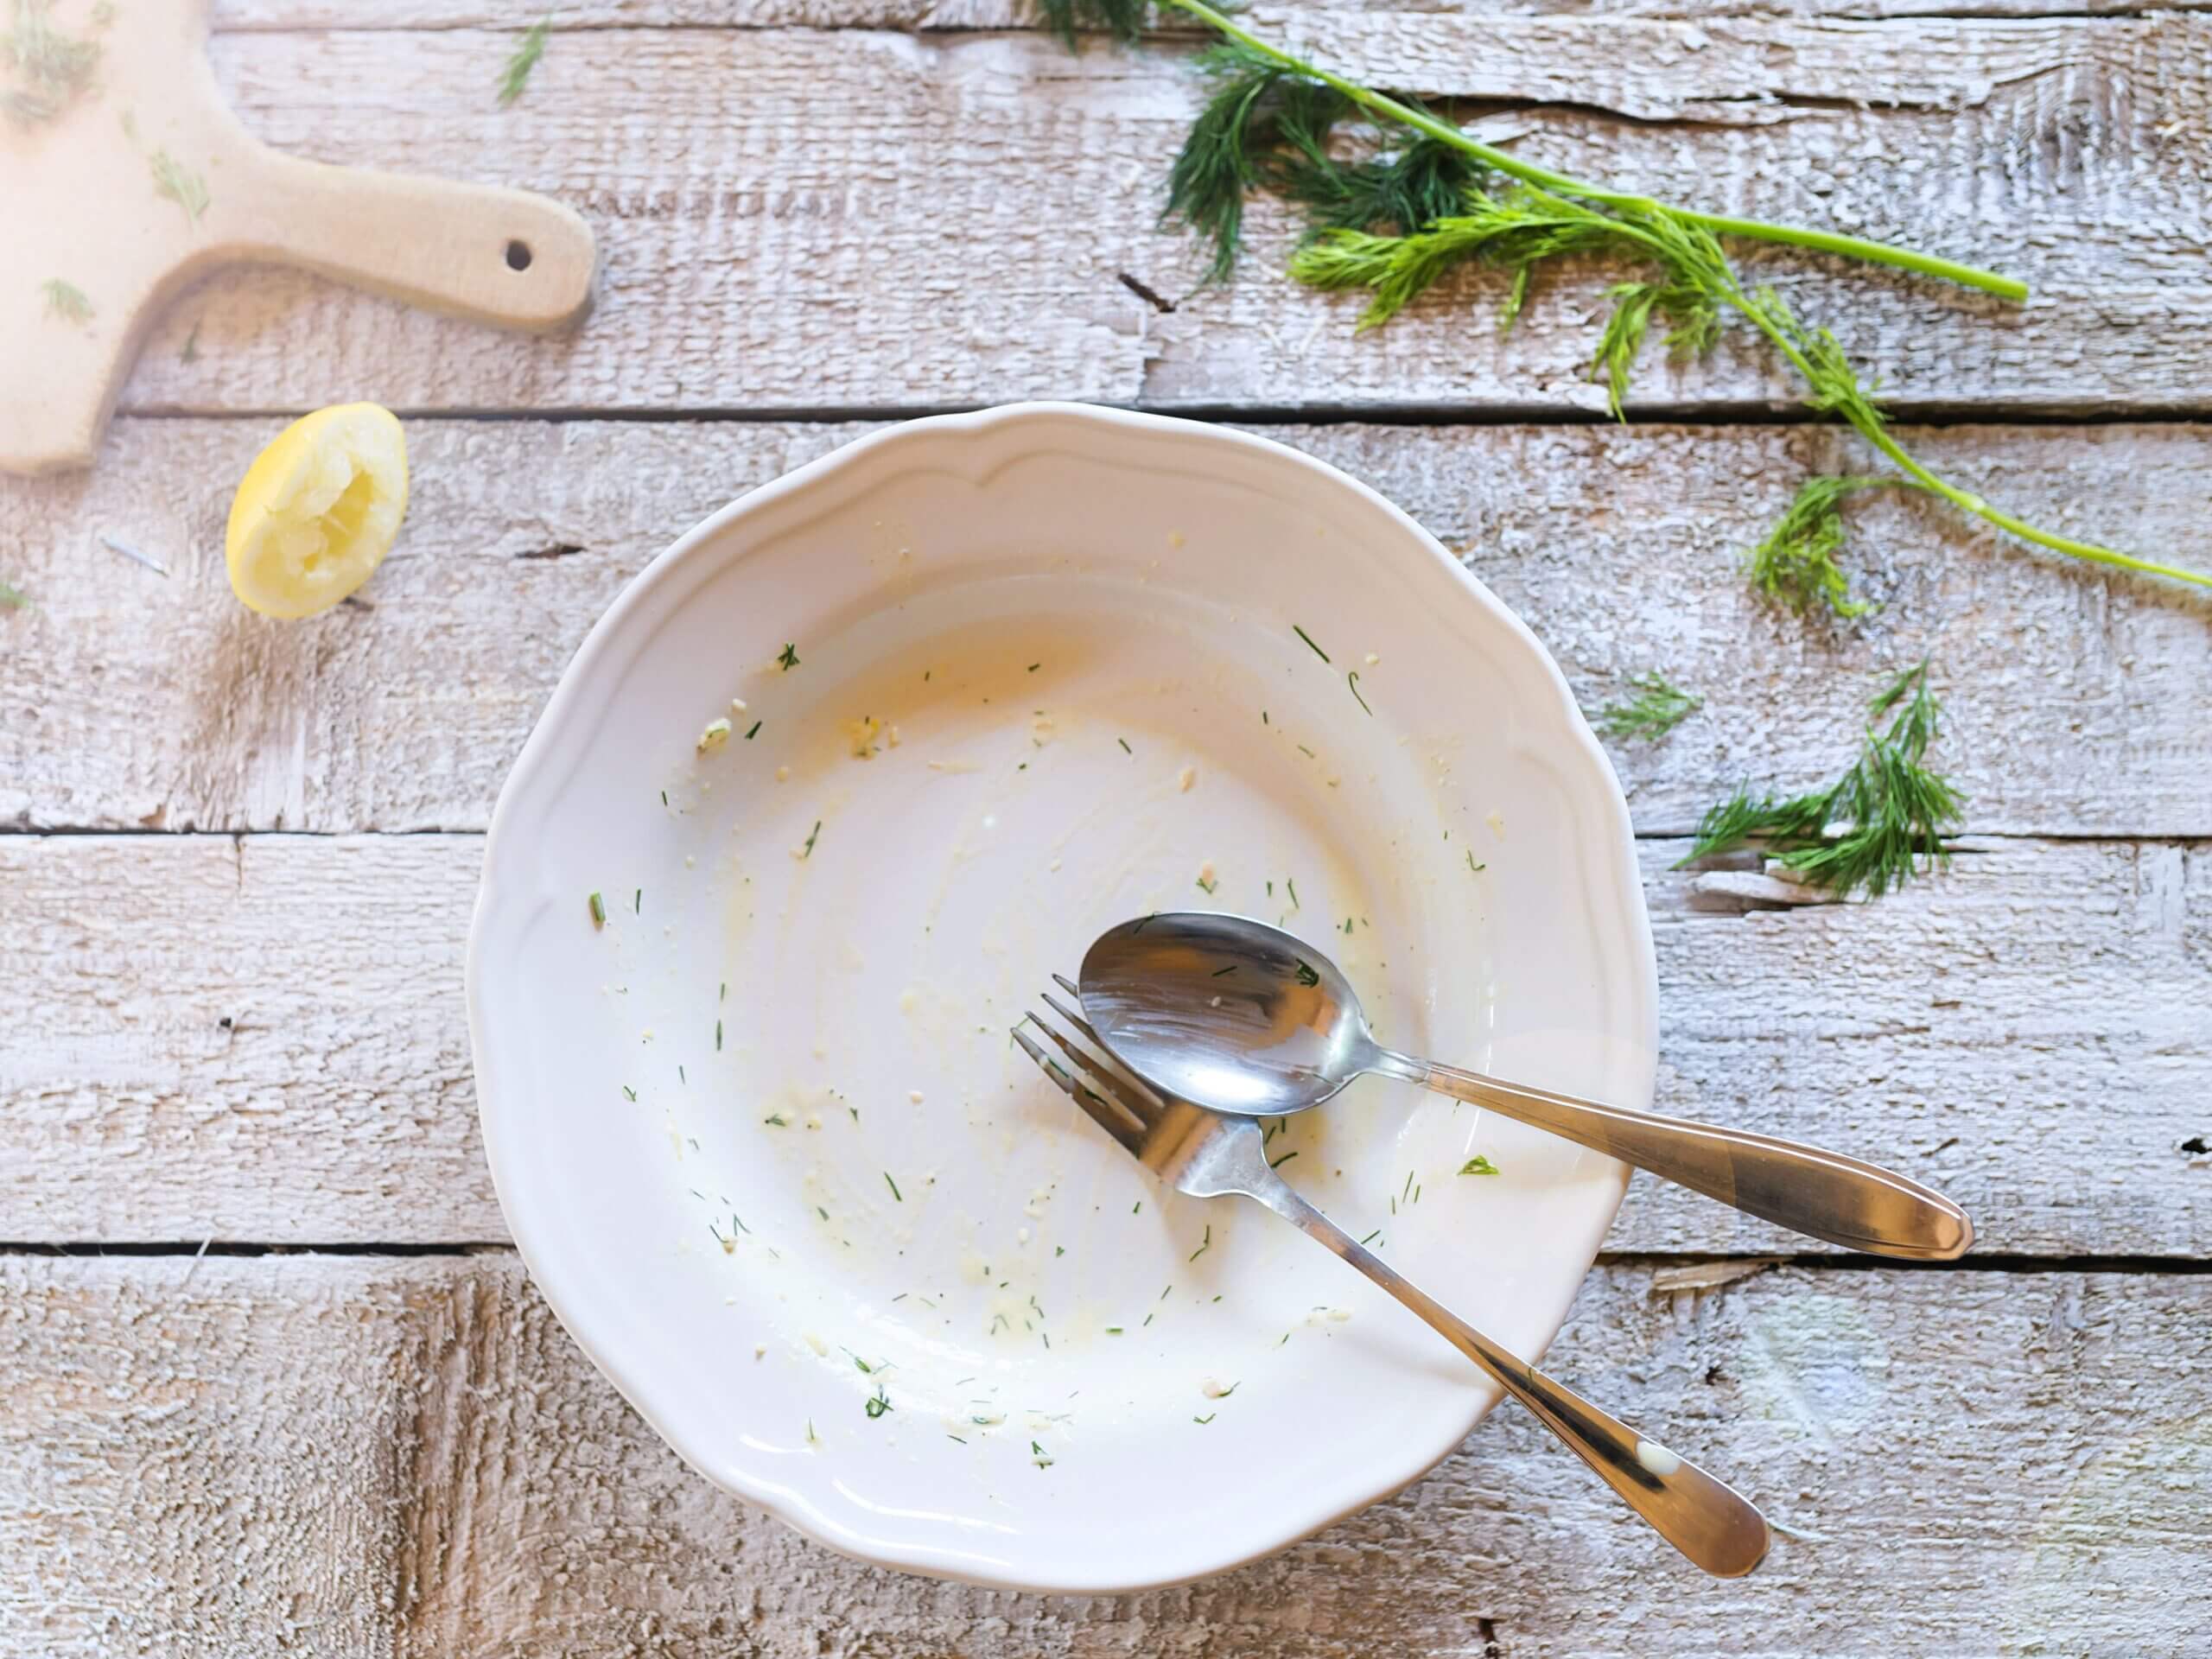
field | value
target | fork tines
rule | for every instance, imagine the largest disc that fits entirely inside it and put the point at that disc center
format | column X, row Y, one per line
column 1119, row 1102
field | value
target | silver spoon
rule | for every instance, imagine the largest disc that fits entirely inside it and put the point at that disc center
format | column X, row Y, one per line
column 1244, row 1017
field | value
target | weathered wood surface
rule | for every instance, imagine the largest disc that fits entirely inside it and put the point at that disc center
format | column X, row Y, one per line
column 134, row 701
column 802, row 220
column 264, row 1040
column 936, row 16
column 378, row 1457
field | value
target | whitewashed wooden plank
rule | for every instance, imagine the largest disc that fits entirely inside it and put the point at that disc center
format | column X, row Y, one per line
column 135, row 700
column 2027, row 1033
column 970, row 14
column 956, row 233
column 376, row 1457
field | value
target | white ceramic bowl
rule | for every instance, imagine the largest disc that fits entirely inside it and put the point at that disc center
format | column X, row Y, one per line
column 843, row 1250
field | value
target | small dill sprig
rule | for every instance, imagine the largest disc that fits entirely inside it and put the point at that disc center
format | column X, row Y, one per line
column 179, row 184
column 1880, row 823
column 1260, row 124
column 1658, row 707
column 65, row 301
column 1795, row 565
column 532, row 47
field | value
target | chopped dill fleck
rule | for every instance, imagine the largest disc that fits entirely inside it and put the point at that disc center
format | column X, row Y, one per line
column 638, row 902
column 1138, row 1206
column 1206, row 886
column 812, row 1438
column 1165, row 1292
column 629, row 1090
column 1113, row 1330
column 516, row 73
column 1208, row 1418
column 1292, row 888
column 1352, row 680
column 1277, row 1163
column 65, row 301
column 894, row 1185
column 1033, row 667
column 718, row 1036
column 598, row 911
column 1307, row 974
column 1124, row 743
column 1218, row 972
column 808, row 850
column 824, row 1214
column 1307, row 752
column 723, row 994
column 1409, row 1187
column 681, row 1078
column 1147, row 1319
column 663, row 797
column 1263, row 716
column 1478, row 1165
column 1059, row 1249
column 191, row 351
column 1471, row 864
column 778, row 1120
column 173, row 181
column 1204, row 1245
column 1372, row 1237
column 787, row 659
column 736, row 1221
column 1037, row 1456
column 1347, row 924
column 1308, row 638
column 952, row 1436
column 878, row 1403
column 753, row 731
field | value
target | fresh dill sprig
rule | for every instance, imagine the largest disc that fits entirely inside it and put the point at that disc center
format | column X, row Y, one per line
column 1658, row 707
column 515, row 75
column 1880, row 823
column 1795, row 565
column 65, row 301
column 1268, row 122
column 179, row 184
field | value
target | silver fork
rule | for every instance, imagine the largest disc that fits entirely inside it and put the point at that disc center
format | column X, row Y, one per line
column 1205, row 1155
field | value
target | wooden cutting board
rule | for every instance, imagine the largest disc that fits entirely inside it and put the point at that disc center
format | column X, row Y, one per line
column 140, row 180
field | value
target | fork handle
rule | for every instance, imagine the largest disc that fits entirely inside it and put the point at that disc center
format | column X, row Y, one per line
column 1822, row 1194
column 1701, row 1516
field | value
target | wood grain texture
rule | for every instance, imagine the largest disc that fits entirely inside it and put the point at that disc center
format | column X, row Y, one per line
column 132, row 701
column 373, row 1457
column 949, row 16
column 264, row 1040
column 764, row 255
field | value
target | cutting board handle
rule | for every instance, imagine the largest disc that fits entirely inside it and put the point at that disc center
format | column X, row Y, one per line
column 491, row 255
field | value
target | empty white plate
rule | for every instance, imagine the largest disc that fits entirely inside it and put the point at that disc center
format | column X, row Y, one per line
column 760, row 1134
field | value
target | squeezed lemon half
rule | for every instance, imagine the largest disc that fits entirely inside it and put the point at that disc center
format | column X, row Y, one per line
column 317, row 511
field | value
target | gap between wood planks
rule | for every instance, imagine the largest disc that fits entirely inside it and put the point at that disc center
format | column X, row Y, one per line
column 1687, row 1270
column 1936, row 416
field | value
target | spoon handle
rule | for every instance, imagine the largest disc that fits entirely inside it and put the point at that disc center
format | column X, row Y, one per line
column 1822, row 1194
column 1702, row 1517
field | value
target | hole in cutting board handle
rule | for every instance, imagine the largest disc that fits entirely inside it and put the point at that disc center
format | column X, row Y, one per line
column 519, row 256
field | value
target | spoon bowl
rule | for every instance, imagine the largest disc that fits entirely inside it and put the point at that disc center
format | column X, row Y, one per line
column 1232, row 1013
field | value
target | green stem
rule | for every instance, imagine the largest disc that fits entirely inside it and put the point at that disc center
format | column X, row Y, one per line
column 1880, row 253
column 1965, row 500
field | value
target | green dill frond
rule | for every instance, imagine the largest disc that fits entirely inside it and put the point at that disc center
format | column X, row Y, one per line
column 1658, row 707
column 178, row 184
column 1404, row 192
column 1795, row 565
column 515, row 75
column 1254, row 109
column 1876, row 826
column 65, row 301
column 1123, row 19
